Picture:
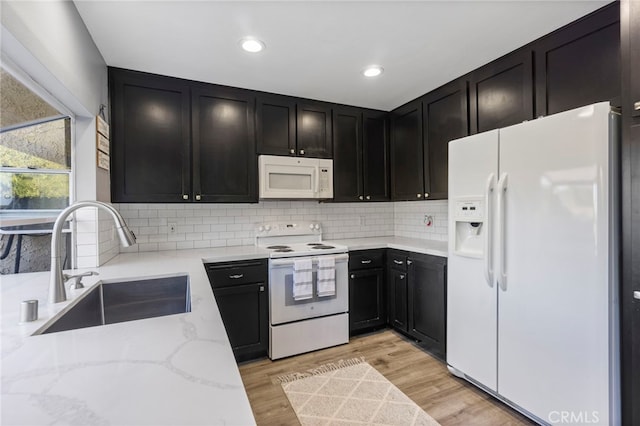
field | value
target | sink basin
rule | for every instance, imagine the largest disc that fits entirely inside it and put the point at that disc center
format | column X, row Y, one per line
column 126, row 300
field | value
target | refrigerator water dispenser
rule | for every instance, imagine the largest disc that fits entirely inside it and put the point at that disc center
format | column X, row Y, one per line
column 469, row 227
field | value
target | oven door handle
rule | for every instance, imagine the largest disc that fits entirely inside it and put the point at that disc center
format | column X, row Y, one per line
column 314, row 259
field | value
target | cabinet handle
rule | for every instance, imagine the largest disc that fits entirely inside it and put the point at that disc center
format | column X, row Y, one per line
column 636, row 105
column 365, row 262
column 292, row 151
column 409, row 262
column 302, row 152
column 426, row 195
column 402, row 277
column 361, row 197
column 261, row 288
column 185, row 197
column 368, row 197
column 398, row 262
column 235, row 277
column 636, row 295
column 352, row 276
column 198, row 197
column 419, row 195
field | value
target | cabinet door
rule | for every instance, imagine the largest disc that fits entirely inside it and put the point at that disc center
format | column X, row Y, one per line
column 375, row 155
column 501, row 93
column 150, row 131
column 397, row 299
column 579, row 64
column 225, row 166
column 276, row 125
column 244, row 312
column 406, row 152
column 347, row 154
column 427, row 301
column 367, row 299
column 314, row 130
column 445, row 118
column 633, row 62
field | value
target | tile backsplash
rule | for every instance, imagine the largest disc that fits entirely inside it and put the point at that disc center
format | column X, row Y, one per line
column 220, row 225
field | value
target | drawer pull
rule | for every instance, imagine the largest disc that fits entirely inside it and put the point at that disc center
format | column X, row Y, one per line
column 261, row 288
column 352, row 276
column 235, row 277
column 636, row 106
column 365, row 262
column 636, row 295
column 398, row 262
column 402, row 277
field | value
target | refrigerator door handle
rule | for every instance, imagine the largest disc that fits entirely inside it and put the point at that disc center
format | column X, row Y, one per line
column 488, row 240
column 502, row 209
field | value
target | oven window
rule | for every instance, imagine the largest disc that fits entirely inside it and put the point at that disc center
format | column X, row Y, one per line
column 290, row 181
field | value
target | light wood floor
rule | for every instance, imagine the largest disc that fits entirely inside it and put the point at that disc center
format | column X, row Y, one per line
column 451, row 401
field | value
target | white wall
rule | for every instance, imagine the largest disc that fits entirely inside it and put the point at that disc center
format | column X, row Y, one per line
column 49, row 41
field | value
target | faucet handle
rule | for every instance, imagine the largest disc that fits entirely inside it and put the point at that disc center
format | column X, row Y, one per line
column 77, row 284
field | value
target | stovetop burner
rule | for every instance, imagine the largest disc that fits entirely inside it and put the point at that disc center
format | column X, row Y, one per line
column 279, row 247
column 283, row 250
column 315, row 244
column 322, row 247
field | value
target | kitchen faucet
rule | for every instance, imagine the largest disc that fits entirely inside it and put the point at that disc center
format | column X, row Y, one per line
column 57, row 292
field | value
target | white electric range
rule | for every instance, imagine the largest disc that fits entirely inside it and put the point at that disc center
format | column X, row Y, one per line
column 319, row 320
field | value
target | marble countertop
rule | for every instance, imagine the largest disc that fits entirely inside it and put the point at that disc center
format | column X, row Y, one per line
column 171, row 370
column 177, row 369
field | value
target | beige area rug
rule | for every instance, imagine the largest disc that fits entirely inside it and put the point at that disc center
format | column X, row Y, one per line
column 350, row 393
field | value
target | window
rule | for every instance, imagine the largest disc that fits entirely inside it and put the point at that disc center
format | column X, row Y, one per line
column 35, row 150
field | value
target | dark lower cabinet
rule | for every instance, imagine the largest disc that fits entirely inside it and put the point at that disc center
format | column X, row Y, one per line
column 417, row 298
column 240, row 290
column 397, row 291
column 427, row 301
column 367, row 291
column 225, row 167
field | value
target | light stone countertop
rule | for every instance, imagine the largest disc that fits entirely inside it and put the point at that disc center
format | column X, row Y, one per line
column 172, row 370
column 177, row 369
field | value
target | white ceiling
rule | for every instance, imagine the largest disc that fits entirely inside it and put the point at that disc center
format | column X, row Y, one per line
column 317, row 49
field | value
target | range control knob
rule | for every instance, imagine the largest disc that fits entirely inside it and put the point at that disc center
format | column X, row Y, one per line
column 260, row 228
column 267, row 228
column 317, row 226
column 311, row 226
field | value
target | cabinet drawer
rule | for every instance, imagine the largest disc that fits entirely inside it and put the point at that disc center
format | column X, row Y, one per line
column 237, row 273
column 365, row 259
column 397, row 260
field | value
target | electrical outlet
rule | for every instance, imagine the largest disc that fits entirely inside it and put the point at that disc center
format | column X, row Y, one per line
column 172, row 228
column 428, row 220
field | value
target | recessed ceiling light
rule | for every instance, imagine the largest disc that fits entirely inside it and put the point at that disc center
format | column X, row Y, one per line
column 373, row 71
column 252, row 45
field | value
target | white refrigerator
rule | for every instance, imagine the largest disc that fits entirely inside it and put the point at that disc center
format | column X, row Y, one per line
column 532, row 271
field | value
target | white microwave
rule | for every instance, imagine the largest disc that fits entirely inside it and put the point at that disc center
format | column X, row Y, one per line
column 295, row 178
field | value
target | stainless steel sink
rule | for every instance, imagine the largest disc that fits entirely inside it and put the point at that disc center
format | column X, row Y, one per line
column 119, row 301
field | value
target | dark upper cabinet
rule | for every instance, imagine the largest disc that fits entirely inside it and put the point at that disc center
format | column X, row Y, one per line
column 579, row 64
column 276, row 125
column 445, row 117
column 407, row 166
column 360, row 155
column 291, row 126
column 347, row 154
column 375, row 155
column 313, row 121
column 224, row 156
column 150, row 138
column 633, row 62
column 501, row 92
column 427, row 301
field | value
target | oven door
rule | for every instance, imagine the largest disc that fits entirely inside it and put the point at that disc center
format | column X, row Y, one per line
column 283, row 308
